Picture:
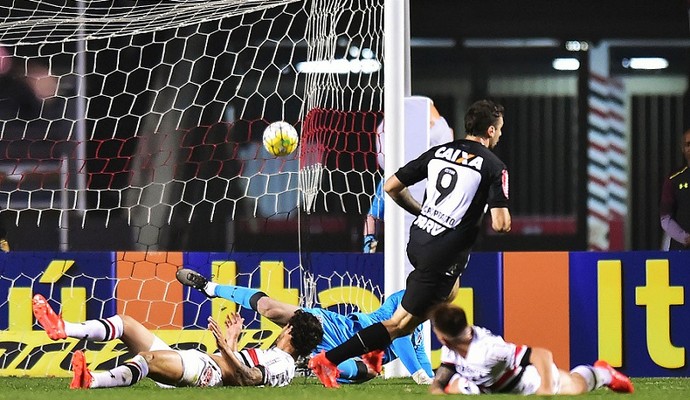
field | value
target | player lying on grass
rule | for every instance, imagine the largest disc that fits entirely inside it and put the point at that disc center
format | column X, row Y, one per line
column 473, row 360
column 168, row 367
column 336, row 328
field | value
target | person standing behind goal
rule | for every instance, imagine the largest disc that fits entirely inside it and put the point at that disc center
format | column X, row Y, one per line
column 675, row 202
column 464, row 178
column 439, row 132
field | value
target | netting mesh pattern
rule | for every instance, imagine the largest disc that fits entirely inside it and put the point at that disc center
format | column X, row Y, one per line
column 152, row 112
column 86, row 286
column 154, row 122
column 31, row 21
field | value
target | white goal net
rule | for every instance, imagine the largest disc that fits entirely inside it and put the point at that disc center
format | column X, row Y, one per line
column 143, row 121
column 149, row 115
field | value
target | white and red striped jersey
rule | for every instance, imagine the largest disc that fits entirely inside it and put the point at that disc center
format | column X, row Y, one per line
column 277, row 366
column 491, row 363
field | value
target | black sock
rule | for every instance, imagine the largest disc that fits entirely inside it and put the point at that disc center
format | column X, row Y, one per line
column 362, row 371
column 255, row 299
column 374, row 337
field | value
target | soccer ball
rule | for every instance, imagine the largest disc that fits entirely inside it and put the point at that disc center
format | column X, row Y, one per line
column 280, row 138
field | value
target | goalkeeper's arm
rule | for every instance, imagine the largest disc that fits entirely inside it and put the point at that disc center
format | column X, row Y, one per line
column 415, row 360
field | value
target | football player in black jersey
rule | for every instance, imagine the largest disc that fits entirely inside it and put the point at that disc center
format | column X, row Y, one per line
column 464, row 179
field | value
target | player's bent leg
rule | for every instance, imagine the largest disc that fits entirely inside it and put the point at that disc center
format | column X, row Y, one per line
column 402, row 323
column 135, row 335
column 184, row 368
column 572, row 383
column 354, row 371
column 127, row 374
column 277, row 311
column 165, row 366
column 454, row 291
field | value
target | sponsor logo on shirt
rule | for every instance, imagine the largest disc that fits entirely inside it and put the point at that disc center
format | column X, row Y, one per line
column 460, row 157
column 429, row 225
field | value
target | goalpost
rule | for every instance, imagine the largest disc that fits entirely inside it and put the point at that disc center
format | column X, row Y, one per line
column 150, row 114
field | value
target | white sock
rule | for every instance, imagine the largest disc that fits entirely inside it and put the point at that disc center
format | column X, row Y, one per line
column 126, row 374
column 210, row 288
column 603, row 375
column 593, row 376
column 587, row 373
column 96, row 329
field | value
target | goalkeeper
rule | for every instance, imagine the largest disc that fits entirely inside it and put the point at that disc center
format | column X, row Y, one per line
column 175, row 368
column 336, row 328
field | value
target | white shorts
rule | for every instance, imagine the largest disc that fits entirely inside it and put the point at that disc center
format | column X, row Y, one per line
column 530, row 381
column 200, row 370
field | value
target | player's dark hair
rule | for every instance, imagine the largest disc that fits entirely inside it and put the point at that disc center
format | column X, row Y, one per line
column 448, row 319
column 480, row 116
column 307, row 332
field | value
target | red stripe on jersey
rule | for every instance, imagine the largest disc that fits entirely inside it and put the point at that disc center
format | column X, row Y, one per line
column 504, row 183
column 253, row 356
column 503, row 380
column 510, row 373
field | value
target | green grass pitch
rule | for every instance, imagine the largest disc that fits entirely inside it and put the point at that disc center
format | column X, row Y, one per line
column 300, row 389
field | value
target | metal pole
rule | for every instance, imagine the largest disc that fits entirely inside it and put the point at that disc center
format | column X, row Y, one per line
column 80, row 132
column 394, row 150
column 406, row 38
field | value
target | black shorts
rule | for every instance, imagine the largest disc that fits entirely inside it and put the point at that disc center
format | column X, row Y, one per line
column 433, row 278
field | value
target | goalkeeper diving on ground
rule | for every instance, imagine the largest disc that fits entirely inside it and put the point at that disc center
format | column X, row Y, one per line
column 336, row 328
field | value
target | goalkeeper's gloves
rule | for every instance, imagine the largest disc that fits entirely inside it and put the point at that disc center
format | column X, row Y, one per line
column 421, row 378
column 370, row 244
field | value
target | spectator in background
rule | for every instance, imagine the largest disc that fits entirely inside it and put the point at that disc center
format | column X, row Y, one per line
column 440, row 132
column 5, row 67
column 4, row 244
column 675, row 202
column 26, row 90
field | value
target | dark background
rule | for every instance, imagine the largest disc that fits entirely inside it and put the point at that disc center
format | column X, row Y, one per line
column 580, row 20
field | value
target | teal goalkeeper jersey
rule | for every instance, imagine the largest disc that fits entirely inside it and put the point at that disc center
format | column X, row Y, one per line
column 338, row 328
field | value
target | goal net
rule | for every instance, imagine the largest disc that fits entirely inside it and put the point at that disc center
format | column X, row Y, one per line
column 142, row 121
column 145, row 118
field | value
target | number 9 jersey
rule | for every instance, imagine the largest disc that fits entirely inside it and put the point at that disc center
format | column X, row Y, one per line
column 464, row 179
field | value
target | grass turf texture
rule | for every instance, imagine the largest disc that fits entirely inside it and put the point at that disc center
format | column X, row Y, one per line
column 301, row 389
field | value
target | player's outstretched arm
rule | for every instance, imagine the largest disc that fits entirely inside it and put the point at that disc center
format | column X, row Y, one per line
column 542, row 359
column 412, row 359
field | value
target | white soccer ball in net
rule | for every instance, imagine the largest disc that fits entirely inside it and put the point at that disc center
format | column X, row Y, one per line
column 280, row 138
